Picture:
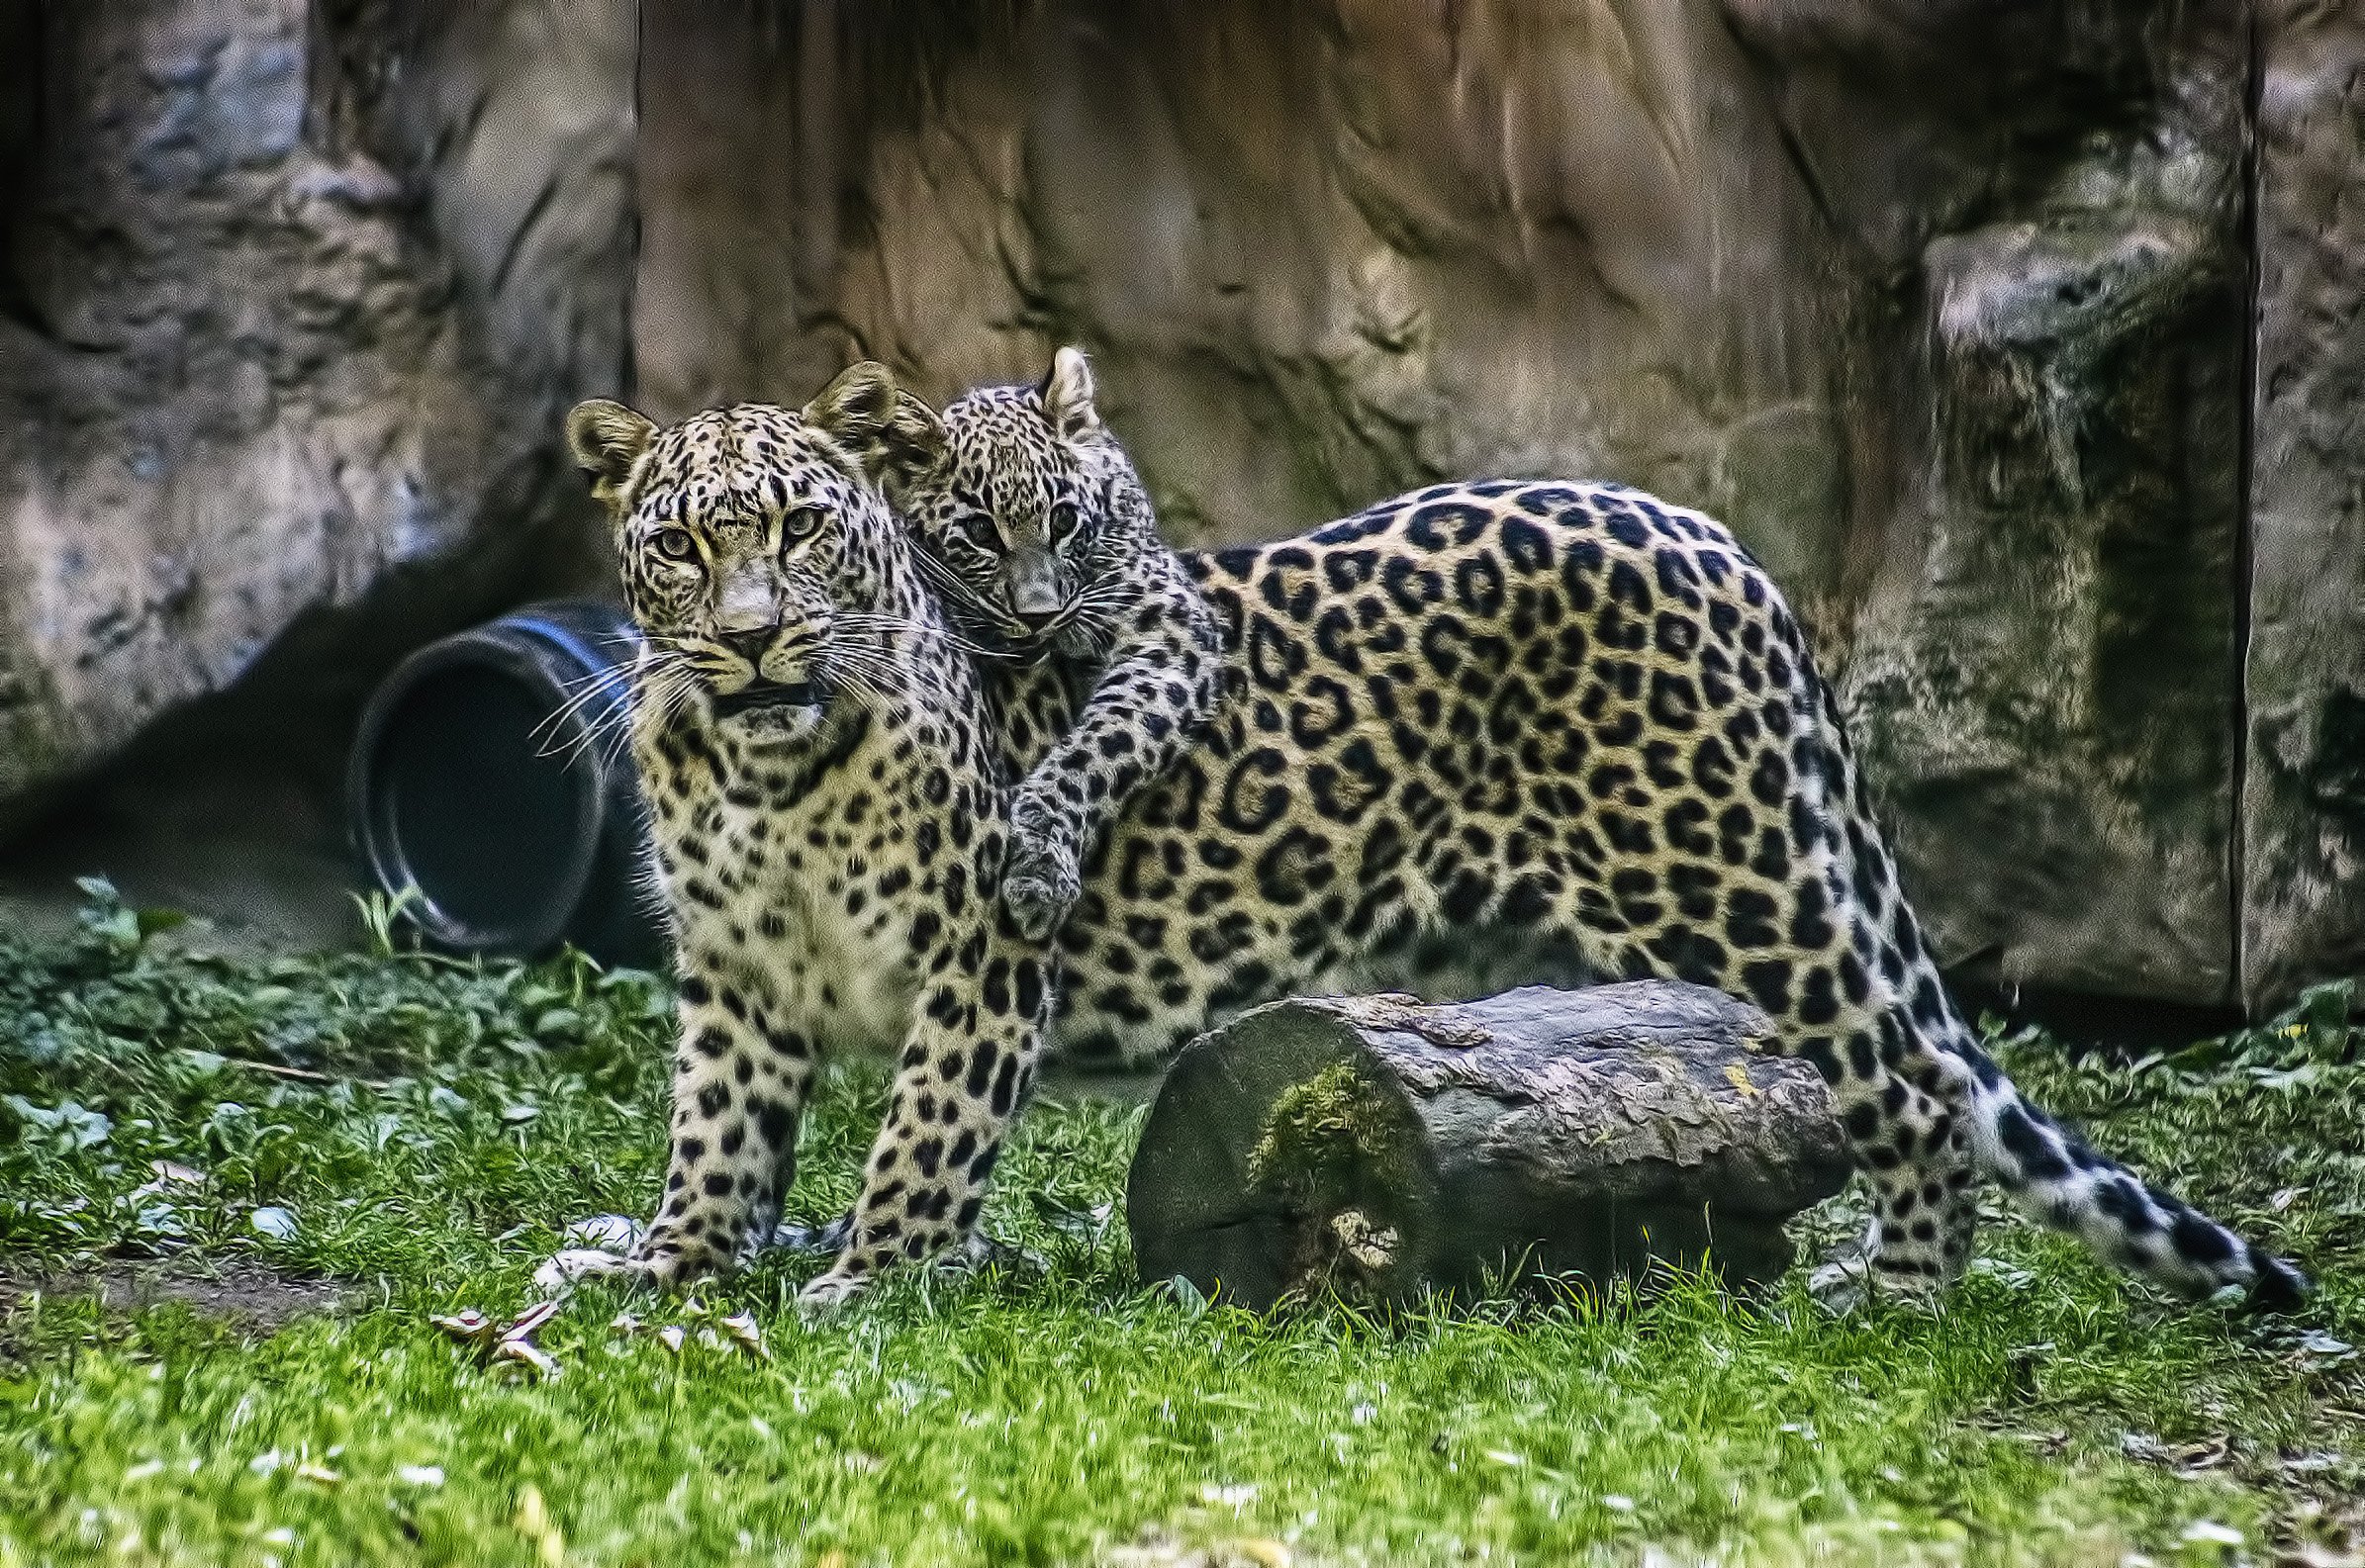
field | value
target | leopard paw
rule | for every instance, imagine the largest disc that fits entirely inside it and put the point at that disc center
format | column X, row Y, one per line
column 598, row 1248
column 827, row 1239
column 976, row 1251
column 1041, row 882
column 828, row 1292
column 570, row 1266
column 1850, row 1279
column 1841, row 1286
column 671, row 1261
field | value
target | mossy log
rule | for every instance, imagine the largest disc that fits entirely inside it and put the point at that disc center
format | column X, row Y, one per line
column 1380, row 1146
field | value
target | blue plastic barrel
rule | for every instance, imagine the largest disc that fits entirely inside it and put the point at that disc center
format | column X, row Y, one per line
column 491, row 772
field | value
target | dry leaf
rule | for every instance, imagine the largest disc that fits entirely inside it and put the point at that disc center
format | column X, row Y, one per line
column 524, row 1353
column 741, row 1327
column 531, row 1320
column 470, row 1327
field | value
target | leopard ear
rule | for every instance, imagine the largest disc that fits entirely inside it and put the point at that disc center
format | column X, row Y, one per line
column 1067, row 394
column 893, row 436
column 606, row 439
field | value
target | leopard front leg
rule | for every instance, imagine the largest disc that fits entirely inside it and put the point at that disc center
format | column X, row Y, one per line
column 1157, row 687
column 968, row 1065
column 740, row 1079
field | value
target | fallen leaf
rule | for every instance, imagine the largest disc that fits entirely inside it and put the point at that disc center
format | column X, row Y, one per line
column 741, row 1327
column 2317, row 1342
column 536, row 1525
column 526, row 1354
column 2310, row 1462
column 531, row 1320
column 469, row 1327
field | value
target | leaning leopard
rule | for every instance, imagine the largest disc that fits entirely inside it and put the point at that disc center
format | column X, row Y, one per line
column 1569, row 726
column 829, row 822
column 1047, row 505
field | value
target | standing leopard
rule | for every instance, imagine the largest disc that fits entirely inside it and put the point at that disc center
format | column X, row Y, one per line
column 1569, row 726
column 828, row 819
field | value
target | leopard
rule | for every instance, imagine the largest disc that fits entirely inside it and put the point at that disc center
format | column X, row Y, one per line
column 1493, row 730
column 829, row 824
column 1044, row 503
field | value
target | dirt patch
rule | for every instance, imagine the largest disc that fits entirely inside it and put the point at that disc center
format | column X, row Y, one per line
column 249, row 1295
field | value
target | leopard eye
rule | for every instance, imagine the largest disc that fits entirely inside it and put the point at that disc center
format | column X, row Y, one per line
column 675, row 544
column 1063, row 522
column 802, row 523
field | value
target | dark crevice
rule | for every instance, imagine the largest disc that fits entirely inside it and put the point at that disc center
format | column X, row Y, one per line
column 2246, row 238
column 627, row 370
column 21, row 54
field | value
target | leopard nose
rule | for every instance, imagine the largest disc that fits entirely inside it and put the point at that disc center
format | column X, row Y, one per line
column 748, row 645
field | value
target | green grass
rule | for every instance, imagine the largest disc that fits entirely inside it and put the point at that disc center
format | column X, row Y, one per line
column 2051, row 1413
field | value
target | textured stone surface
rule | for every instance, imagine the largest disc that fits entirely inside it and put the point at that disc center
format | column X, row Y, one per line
column 2303, row 816
column 292, row 297
column 1940, row 305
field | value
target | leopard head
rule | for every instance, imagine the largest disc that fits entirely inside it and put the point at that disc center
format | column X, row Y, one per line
column 758, row 551
column 1033, row 509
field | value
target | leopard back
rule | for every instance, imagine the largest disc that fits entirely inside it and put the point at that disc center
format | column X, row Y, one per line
column 1575, row 729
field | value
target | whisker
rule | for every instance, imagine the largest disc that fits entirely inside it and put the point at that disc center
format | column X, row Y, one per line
column 860, row 622
column 590, row 688
column 593, row 686
column 960, row 592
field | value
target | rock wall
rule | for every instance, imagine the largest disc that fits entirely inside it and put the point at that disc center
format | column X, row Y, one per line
column 2304, row 794
column 1941, row 305
column 2022, row 343
column 292, row 298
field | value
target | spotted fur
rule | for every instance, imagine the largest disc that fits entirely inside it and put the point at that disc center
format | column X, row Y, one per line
column 828, row 817
column 1039, row 506
column 1568, row 726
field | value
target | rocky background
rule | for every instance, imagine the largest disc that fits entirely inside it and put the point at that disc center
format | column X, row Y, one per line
column 293, row 295
column 2022, row 343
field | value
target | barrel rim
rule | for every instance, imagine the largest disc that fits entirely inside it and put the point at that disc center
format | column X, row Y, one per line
column 514, row 650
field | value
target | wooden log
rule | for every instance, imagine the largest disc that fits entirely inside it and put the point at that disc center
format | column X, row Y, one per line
column 1379, row 1145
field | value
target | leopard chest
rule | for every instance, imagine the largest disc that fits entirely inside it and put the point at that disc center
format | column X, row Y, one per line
column 810, row 896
